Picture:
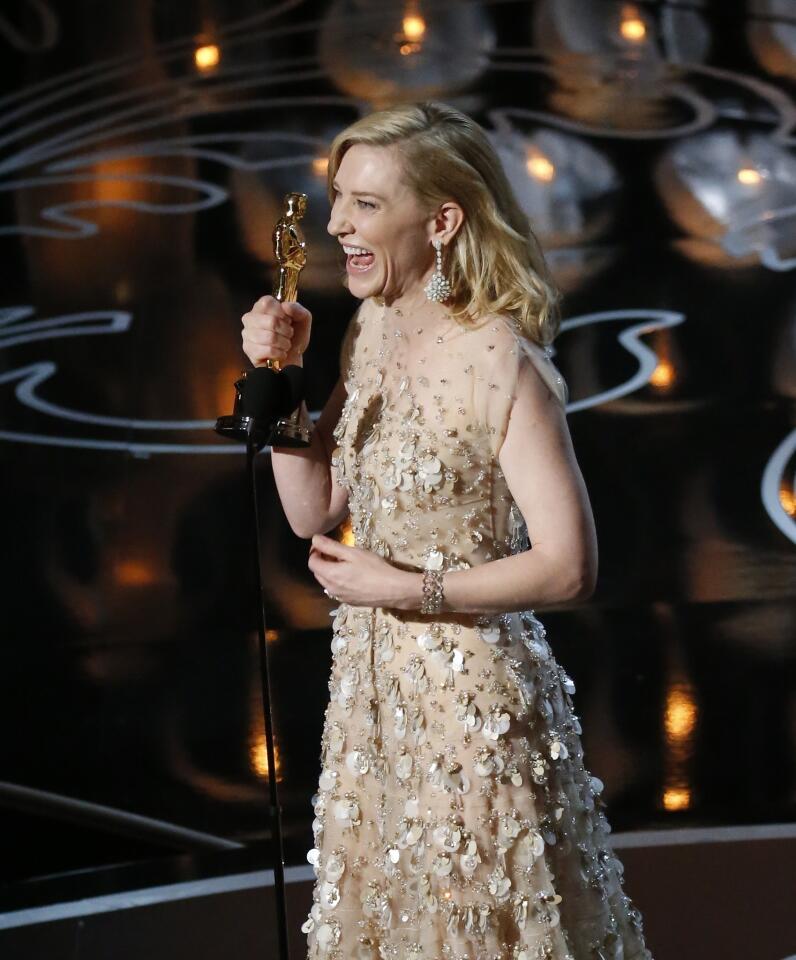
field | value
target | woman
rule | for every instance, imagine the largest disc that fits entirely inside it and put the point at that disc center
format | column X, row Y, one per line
column 454, row 816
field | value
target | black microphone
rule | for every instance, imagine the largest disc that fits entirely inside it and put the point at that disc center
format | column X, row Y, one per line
column 264, row 397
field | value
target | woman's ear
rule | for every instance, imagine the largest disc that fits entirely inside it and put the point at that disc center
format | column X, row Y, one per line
column 449, row 219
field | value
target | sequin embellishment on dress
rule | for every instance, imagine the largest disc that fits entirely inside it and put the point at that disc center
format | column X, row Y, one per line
column 454, row 816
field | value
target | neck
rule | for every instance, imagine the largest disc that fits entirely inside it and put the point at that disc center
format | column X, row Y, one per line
column 407, row 302
column 414, row 301
column 413, row 296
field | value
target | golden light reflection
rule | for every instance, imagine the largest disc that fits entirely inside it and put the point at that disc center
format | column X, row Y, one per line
column 413, row 29
column 347, row 533
column 257, row 748
column 680, row 719
column 539, row 167
column 207, row 57
column 676, row 799
column 133, row 573
column 258, row 755
column 320, row 166
column 117, row 180
column 224, row 387
column 632, row 27
column 787, row 499
column 664, row 375
column 749, row 176
column 680, row 716
column 414, row 26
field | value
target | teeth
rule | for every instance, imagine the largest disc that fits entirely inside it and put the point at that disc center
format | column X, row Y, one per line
column 355, row 250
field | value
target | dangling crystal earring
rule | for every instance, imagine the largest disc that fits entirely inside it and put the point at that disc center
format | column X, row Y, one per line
column 438, row 287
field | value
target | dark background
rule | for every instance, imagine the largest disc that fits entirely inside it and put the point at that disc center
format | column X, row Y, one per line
column 658, row 171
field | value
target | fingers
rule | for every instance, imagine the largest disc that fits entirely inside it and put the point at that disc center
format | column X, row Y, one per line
column 272, row 329
column 320, row 555
column 317, row 565
column 270, row 306
column 264, row 345
column 296, row 311
column 329, row 546
column 267, row 315
column 267, row 331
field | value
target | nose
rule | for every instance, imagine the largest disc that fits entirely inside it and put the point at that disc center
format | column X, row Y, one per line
column 338, row 225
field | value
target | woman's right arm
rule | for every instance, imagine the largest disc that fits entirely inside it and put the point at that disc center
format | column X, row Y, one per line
column 312, row 499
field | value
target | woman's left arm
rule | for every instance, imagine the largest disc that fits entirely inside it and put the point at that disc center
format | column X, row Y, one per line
column 538, row 461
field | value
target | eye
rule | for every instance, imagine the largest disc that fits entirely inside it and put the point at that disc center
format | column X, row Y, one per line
column 363, row 203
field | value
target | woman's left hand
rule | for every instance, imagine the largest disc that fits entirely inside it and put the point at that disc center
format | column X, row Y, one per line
column 359, row 577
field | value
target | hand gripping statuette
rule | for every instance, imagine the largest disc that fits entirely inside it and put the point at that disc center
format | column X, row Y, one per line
column 268, row 392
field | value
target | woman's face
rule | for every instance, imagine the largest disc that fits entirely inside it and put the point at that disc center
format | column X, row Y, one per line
column 374, row 210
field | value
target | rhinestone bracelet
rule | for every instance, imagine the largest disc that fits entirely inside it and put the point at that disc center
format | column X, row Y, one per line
column 432, row 591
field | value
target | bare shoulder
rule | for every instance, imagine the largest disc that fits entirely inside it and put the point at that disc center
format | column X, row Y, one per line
column 531, row 368
column 498, row 326
column 492, row 339
column 502, row 347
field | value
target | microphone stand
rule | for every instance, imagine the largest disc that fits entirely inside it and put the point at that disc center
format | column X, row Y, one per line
column 267, row 410
column 253, row 433
column 275, row 812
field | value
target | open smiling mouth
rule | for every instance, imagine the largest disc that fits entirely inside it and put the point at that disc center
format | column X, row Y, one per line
column 359, row 262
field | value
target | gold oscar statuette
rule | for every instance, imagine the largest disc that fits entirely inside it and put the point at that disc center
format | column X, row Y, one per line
column 288, row 431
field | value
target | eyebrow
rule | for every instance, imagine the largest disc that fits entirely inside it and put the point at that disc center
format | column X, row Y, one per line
column 361, row 193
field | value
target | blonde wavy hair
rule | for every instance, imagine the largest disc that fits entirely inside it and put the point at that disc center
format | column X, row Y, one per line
column 496, row 264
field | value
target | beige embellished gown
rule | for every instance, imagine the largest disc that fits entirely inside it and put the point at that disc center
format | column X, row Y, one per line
column 454, row 818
